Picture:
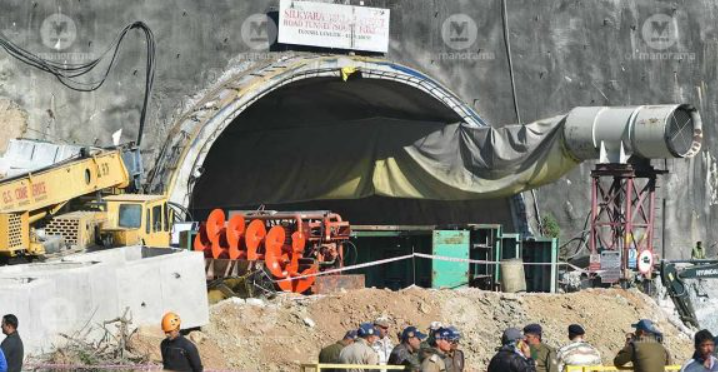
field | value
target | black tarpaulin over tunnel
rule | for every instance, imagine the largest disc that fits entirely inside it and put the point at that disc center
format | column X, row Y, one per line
column 377, row 151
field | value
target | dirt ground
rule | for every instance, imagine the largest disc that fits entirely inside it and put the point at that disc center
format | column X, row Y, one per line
column 280, row 334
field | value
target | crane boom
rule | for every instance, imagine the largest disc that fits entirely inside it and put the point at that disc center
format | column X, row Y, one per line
column 29, row 197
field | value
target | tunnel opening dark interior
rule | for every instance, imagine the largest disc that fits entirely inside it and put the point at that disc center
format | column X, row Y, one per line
column 330, row 119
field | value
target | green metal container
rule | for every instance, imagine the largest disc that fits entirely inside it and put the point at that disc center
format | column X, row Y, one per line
column 454, row 244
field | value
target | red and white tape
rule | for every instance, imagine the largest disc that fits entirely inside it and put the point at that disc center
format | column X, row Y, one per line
column 419, row 255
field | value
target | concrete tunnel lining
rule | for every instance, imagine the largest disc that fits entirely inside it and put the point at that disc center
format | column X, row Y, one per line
column 398, row 92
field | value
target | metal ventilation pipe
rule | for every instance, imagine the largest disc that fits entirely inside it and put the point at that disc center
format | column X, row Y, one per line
column 614, row 134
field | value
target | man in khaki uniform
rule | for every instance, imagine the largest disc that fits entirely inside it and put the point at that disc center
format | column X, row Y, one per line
column 456, row 355
column 361, row 352
column 330, row 354
column 435, row 361
column 542, row 354
column 643, row 349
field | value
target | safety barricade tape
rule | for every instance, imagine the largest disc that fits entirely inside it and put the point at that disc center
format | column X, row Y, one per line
column 420, row 255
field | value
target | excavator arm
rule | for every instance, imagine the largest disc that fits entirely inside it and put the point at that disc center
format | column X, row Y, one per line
column 673, row 274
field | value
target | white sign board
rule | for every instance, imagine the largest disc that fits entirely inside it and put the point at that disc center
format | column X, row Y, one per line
column 611, row 266
column 645, row 262
column 334, row 26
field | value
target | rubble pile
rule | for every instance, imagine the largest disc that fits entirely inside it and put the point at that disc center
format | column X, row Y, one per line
column 278, row 335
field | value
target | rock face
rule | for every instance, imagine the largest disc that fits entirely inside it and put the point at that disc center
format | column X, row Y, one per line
column 568, row 54
column 13, row 121
column 276, row 337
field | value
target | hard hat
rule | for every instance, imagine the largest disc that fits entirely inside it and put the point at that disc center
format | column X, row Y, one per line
column 170, row 322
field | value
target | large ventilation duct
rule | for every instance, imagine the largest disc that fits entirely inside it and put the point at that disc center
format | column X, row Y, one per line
column 615, row 134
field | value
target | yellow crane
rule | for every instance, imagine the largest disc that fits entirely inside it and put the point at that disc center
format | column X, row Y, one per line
column 50, row 199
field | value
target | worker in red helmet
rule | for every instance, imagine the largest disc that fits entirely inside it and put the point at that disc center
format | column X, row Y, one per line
column 178, row 353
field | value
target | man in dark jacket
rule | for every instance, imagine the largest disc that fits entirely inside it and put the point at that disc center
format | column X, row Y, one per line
column 178, row 353
column 12, row 344
column 643, row 349
column 514, row 355
column 330, row 354
column 407, row 352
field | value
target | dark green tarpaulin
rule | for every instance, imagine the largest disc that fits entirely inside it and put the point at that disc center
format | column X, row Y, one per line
column 385, row 157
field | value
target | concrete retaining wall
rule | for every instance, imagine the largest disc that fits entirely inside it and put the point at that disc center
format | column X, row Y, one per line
column 81, row 291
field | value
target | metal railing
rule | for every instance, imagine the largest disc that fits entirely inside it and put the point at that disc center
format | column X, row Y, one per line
column 610, row 368
column 318, row 367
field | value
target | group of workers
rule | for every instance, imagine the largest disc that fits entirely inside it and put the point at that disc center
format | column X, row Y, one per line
column 434, row 351
column 12, row 352
column 520, row 350
column 370, row 344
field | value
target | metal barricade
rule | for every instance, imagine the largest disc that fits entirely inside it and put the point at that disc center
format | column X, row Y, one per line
column 318, row 367
column 610, row 368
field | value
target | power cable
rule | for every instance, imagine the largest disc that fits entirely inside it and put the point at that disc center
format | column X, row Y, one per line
column 68, row 73
column 507, row 44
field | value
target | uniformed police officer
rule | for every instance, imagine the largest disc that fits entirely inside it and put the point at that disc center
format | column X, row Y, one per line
column 542, row 354
column 456, row 355
column 407, row 352
column 435, row 361
column 360, row 352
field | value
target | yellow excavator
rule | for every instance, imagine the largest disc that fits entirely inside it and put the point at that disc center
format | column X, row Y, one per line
column 85, row 201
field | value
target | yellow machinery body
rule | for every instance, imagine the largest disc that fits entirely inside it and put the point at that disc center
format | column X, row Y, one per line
column 35, row 196
column 137, row 219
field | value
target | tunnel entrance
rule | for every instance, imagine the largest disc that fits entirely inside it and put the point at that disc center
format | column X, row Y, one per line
column 308, row 146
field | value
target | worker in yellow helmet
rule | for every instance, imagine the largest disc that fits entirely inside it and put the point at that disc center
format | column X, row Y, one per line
column 178, row 353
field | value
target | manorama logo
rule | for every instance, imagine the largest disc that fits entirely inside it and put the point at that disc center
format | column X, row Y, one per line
column 459, row 32
column 58, row 32
column 259, row 32
column 660, row 33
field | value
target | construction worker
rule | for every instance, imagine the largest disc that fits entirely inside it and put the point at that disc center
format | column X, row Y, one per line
column 330, row 354
column 360, row 352
column 698, row 253
column 703, row 359
column 577, row 352
column 12, row 344
column 407, row 352
column 456, row 355
column 514, row 354
column 643, row 349
column 436, row 360
column 383, row 346
column 543, row 355
column 178, row 353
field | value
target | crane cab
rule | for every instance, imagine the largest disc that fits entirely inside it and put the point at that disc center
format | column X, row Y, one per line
column 137, row 219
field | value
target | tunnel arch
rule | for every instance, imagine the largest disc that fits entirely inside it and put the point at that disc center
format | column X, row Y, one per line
column 183, row 157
